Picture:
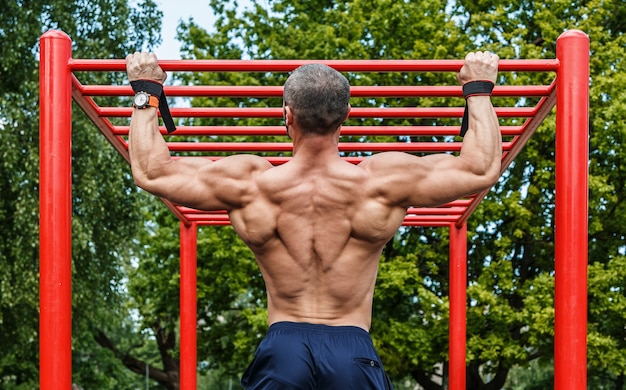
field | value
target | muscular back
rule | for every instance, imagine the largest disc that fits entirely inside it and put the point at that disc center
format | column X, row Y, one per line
column 317, row 224
column 317, row 231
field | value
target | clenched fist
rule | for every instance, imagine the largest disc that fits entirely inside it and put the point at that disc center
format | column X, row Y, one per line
column 479, row 66
column 144, row 66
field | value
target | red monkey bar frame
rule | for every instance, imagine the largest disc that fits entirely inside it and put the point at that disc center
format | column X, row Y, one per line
column 568, row 91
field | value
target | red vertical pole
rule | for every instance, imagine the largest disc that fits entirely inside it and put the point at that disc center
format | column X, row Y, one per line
column 571, row 257
column 188, row 299
column 55, row 208
column 458, row 307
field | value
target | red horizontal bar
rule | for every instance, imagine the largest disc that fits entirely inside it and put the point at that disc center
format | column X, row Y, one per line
column 405, row 223
column 189, row 210
column 355, row 91
column 343, row 146
column 283, row 159
column 436, row 131
column 207, row 216
column 546, row 65
column 408, row 218
column 212, row 223
column 427, row 224
column 438, row 211
column 431, row 218
column 440, row 216
column 356, row 112
column 456, row 203
column 456, row 206
column 416, row 216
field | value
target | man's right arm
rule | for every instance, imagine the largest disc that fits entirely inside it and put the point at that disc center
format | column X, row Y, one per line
column 190, row 181
column 408, row 180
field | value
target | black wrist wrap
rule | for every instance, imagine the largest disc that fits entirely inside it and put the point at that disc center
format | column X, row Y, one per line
column 474, row 88
column 156, row 89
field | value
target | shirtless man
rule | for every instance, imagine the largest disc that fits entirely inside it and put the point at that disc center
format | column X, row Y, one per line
column 317, row 224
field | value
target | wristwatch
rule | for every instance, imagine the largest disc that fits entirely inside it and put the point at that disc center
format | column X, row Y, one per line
column 144, row 99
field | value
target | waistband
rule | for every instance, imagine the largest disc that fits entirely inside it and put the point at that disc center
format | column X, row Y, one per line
column 318, row 328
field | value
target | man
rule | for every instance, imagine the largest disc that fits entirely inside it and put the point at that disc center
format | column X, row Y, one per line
column 317, row 224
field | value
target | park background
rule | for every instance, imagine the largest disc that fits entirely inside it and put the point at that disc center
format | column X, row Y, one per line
column 125, row 242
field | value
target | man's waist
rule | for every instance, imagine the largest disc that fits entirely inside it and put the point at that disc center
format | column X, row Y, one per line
column 355, row 321
column 317, row 328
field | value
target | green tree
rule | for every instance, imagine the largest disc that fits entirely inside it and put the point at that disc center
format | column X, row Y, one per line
column 348, row 30
column 524, row 220
column 510, row 312
column 103, row 192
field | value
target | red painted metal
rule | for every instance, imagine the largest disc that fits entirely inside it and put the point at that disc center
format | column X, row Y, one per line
column 408, row 147
column 458, row 311
column 415, row 220
column 571, row 235
column 355, row 113
column 406, row 131
column 188, row 299
column 355, row 91
column 454, row 207
column 512, row 149
column 358, row 112
column 423, row 122
column 55, row 233
column 82, row 65
column 103, row 124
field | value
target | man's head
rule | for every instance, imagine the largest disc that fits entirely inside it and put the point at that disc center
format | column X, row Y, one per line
column 318, row 97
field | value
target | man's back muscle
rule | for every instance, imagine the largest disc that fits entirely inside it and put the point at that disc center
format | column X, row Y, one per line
column 317, row 231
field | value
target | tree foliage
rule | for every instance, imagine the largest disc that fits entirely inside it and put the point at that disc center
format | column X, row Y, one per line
column 510, row 292
column 102, row 188
column 125, row 246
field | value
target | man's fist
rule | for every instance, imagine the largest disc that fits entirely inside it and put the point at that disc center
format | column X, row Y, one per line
column 144, row 66
column 479, row 66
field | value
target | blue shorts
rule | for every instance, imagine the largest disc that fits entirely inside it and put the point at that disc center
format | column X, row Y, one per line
column 300, row 356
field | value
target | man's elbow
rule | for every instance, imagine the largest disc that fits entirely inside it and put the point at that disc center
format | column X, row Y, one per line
column 143, row 181
column 139, row 181
column 490, row 175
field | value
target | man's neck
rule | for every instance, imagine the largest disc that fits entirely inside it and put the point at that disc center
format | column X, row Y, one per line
column 315, row 147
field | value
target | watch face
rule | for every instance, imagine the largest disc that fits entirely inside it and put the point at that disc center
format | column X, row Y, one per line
column 141, row 99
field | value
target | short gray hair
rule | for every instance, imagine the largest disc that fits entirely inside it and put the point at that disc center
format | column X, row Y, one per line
column 318, row 96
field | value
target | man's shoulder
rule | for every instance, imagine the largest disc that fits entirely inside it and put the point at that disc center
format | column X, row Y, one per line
column 386, row 160
column 248, row 158
column 246, row 161
column 386, row 156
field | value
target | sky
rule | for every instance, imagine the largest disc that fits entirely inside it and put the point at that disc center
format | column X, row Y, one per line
column 176, row 10
column 173, row 12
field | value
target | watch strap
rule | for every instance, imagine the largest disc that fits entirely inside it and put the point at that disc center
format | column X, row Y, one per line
column 156, row 89
column 153, row 101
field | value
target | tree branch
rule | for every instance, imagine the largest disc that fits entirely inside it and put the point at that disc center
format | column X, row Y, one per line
column 169, row 379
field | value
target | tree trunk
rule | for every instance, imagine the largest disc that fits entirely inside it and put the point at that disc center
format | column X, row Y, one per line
column 475, row 381
column 166, row 340
column 619, row 382
column 425, row 380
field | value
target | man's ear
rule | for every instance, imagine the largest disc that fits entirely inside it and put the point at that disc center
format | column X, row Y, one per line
column 287, row 115
column 287, row 118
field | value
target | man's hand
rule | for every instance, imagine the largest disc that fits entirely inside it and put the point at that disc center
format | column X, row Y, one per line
column 479, row 66
column 144, row 66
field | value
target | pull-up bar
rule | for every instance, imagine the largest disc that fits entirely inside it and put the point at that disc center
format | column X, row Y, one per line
column 59, row 83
